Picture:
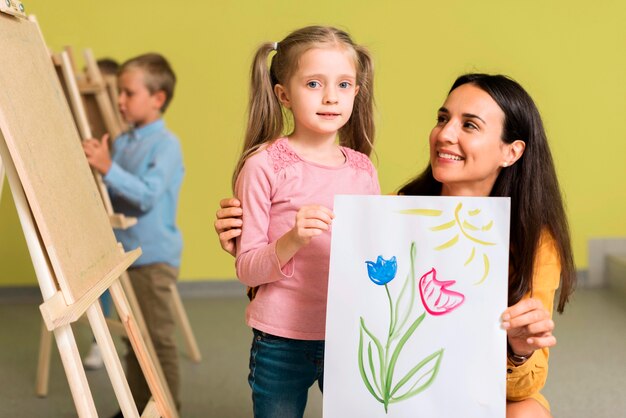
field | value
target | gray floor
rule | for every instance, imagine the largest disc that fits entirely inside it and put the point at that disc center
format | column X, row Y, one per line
column 587, row 376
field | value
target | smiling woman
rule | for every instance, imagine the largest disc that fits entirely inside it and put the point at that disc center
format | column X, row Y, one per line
column 467, row 151
column 489, row 140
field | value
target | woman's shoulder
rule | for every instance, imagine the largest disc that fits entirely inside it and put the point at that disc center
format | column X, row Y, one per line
column 358, row 160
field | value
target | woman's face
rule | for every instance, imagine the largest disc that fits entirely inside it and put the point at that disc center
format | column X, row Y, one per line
column 466, row 149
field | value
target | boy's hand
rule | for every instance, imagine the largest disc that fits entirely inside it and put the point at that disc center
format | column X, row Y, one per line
column 97, row 153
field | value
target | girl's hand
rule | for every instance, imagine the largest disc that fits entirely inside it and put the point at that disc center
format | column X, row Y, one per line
column 528, row 327
column 228, row 223
column 311, row 221
column 97, row 153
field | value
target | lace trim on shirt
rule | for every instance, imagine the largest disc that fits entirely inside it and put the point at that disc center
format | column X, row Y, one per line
column 358, row 160
column 281, row 156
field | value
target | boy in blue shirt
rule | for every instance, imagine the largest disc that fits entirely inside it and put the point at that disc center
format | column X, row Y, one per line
column 143, row 174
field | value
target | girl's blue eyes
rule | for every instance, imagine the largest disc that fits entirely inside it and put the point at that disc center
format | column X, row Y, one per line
column 316, row 84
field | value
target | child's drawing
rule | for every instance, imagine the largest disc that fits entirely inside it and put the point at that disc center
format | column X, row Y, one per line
column 403, row 299
column 463, row 228
column 377, row 364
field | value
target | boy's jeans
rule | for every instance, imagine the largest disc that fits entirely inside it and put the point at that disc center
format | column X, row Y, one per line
column 281, row 372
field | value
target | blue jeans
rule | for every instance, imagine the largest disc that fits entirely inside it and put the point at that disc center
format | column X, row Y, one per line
column 281, row 372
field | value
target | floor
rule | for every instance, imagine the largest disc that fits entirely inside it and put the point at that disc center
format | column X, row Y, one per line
column 587, row 376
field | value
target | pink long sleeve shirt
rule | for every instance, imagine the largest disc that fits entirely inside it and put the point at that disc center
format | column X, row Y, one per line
column 273, row 185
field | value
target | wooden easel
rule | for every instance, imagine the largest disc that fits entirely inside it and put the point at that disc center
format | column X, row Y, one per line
column 60, row 211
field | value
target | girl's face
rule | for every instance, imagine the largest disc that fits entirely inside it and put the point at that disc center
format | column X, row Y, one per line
column 321, row 92
column 466, row 149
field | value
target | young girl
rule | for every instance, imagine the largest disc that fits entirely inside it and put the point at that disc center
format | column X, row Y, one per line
column 489, row 141
column 287, row 185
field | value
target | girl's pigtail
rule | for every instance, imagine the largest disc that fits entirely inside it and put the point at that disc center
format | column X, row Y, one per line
column 359, row 132
column 265, row 119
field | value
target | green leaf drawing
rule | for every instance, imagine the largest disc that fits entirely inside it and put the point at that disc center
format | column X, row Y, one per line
column 396, row 352
column 379, row 347
column 409, row 284
column 423, row 380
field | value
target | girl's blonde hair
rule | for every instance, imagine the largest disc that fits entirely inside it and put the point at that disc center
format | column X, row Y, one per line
column 265, row 115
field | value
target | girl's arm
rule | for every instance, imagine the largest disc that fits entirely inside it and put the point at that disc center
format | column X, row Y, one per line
column 529, row 326
column 260, row 261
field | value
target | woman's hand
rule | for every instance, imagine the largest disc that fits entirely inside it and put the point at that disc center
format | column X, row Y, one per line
column 311, row 221
column 528, row 326
column 228, row 223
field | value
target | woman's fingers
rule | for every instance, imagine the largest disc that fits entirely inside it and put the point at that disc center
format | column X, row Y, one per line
column 541, row 342
column 230, row 202
column 529, row 326
column 229, row 214
column 526, row 318
column 541, row 327
column 229, row 235
column 521, row 307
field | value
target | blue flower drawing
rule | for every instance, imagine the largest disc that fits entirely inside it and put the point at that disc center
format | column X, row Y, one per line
column 382, row 271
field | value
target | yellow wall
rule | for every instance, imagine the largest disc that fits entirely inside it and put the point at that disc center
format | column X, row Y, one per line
column 571, row 57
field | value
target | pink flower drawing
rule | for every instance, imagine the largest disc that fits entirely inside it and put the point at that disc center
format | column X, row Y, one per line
column 436, row 297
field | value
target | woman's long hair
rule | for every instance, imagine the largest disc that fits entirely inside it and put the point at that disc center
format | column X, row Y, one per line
column 531, row 183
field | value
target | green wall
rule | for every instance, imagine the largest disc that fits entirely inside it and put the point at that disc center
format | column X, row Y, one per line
column 570, row 56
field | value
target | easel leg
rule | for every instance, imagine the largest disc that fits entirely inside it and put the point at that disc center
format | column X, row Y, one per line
column 183, row 322
column 43, row 366
column 75, row 373
column 151, row 369
column 111, row 360
column 133, row 304
column 63, row 335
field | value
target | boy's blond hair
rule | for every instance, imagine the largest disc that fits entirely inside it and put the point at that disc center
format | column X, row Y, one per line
column 158, row 74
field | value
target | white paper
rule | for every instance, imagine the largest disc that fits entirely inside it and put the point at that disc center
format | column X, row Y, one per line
column 459, row 239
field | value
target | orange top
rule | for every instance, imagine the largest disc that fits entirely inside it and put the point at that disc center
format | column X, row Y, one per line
column 525, row 381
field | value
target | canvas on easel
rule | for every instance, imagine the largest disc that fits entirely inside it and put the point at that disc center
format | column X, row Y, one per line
column 66, row 77
column 61, row 212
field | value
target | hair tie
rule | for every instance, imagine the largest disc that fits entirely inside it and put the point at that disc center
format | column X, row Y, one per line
column 275, row 46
